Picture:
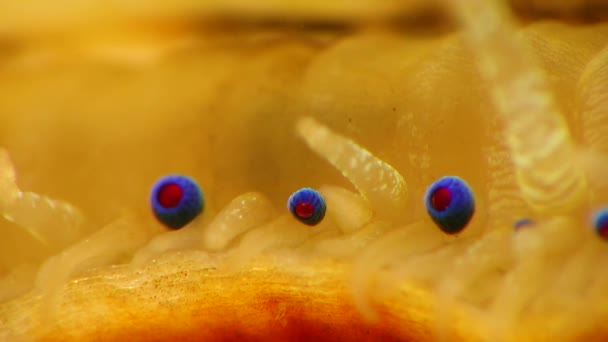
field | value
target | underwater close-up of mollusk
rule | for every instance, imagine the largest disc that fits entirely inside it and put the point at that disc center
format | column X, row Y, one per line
column 307, row 170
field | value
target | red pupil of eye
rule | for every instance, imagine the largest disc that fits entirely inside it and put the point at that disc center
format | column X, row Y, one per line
column 170, row 195
column 441, row 199
column 305, row 209
column 604, row 229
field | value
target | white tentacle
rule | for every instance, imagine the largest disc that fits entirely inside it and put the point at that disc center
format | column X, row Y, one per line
column 377, row 181
column 536, row 132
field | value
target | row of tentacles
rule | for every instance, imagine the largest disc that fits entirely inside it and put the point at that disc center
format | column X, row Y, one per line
column 546, row 184
column 248, row 226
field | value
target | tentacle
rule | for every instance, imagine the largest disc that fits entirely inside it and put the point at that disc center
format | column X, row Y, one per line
column 348, row 246
column 53, row 222
column 281, row 232
column 245, row 212
column 393, row 247
column 111, row 244
column 189, row 237
column 536, row 132
column 349, row 210
column 428, row 269
column 377, row 181
column 241, row 214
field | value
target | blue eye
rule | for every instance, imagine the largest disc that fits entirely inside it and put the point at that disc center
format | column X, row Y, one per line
column 307, row 205
column 522, row 223
column 600, row 223
column 176, row 200
column 450, row 203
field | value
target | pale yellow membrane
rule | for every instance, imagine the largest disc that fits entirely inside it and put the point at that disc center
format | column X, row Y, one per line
column 592, row 114
column 535, row 130
column 222, row 107
column 593, row 101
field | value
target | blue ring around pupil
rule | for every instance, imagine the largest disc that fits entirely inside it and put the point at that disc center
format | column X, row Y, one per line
column 190, row 205
column 307, row 195
column 456, row 216
column 600, row 223
column 522, row 223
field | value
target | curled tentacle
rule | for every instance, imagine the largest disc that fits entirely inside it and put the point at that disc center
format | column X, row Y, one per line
column 54, row 222
column 377, row 181
column 536, row 133
column 245, row 212
column 349, row 210
column 347, row 246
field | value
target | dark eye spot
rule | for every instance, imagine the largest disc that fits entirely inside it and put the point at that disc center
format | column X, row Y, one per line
column 176, row 200
column 522, row 223
column 450, row 203
column 307, row 205
column 600, row 223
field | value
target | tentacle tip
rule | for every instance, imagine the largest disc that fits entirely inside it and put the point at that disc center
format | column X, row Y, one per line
column 309, row 129
column 8, row 187
column 304, row 124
